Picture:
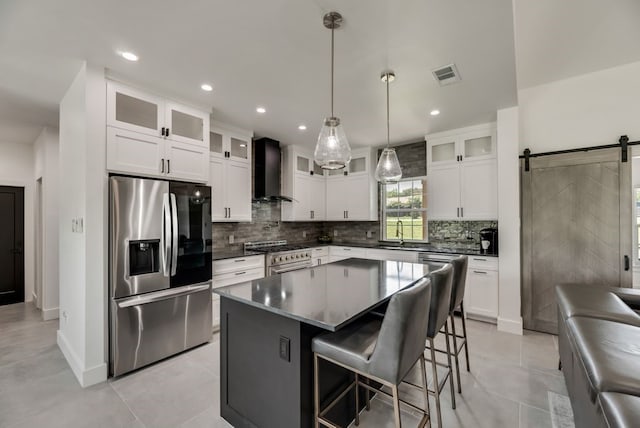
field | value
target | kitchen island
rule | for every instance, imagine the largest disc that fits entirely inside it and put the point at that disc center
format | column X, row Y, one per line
column 266, row 362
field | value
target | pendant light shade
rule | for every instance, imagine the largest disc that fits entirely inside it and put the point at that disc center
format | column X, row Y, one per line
column 332, row 149
column 388, row 169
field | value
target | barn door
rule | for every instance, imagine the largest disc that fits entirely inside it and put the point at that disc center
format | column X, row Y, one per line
column 576, row 228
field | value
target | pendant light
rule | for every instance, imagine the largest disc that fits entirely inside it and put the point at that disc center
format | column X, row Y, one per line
column 388, row 169
column 332, row 149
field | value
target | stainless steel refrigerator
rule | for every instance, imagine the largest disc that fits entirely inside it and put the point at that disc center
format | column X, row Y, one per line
column 160, row 270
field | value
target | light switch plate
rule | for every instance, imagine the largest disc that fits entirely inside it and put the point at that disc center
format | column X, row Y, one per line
column 335, row 233
column 231, row 239
column 369, row 234
column 285, row 348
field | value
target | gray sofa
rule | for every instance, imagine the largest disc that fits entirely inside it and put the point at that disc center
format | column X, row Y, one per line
column 599, row 342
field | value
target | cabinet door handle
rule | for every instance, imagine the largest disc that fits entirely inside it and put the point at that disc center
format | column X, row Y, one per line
column 162, row 131
column 162, row 166
column 461, row 211
column 347, row 213
column 168, row 166
column 167, row 132
column 310, row 172
column 480, row 260
column 458, row 212
column 480, row 272
column 229, row 212
column 240, row 273
column 239, row 260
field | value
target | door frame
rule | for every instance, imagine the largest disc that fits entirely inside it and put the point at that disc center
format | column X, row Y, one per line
column 21, row 208
column 526, row 212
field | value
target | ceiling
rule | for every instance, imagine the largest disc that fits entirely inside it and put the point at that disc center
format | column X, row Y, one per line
column 276, row 54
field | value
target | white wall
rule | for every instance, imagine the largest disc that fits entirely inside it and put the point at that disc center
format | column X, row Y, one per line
column 46, row 150
column 509, row 302
column 591, row 109
column 16, row 169
column 83, row 194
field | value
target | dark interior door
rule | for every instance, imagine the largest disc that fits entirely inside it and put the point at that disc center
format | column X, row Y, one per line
column 11, row 245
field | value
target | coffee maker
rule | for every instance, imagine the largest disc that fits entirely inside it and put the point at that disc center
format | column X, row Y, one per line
column 489, row 241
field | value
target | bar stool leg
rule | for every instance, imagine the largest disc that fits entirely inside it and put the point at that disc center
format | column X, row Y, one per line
column 396, row 406
column 464, row 333
column 436, row 383
column 425, row 387
column 316, row 393
column 368, row 395
column 453, row 391
column 455, row 350
column 357, row 400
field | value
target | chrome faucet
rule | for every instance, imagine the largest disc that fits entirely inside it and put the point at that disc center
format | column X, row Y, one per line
column 400, row 231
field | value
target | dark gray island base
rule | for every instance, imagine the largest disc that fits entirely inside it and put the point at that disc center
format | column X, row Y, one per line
column 266, row 362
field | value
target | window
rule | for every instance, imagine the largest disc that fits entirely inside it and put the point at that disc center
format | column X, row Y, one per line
column 404, row 212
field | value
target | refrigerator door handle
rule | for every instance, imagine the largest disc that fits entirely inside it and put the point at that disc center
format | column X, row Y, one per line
column 174, row 234
column 162, row 295
column 165, row 237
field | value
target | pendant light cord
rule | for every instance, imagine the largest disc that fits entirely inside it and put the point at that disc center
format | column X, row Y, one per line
column 388, row 110
column 332, row 30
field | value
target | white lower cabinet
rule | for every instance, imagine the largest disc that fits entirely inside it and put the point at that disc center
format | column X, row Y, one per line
column 337, row 253
column 481, row 290
column 233, row 271
column 392, row 255
column 319, row 256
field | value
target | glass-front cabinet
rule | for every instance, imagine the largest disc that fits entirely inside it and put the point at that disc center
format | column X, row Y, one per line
column 135, row 110
column 149, row 136
column 230, row 174
column 474, row 143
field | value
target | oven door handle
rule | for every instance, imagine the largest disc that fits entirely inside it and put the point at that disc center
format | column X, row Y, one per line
column 290, row 268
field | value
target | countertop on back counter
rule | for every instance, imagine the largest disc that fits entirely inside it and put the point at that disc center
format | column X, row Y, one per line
column 426, row 248
column 232, row 254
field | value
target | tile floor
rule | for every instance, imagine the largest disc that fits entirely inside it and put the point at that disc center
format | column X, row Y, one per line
column 507, row 387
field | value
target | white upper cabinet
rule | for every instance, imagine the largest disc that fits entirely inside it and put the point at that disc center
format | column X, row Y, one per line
column 462, row 145
column 352, row 194
column 303, row 181
column 230, row 174
column 150, row 136
column 462, row 174
column 340, row 195
column 186, row 124
column 134, row 110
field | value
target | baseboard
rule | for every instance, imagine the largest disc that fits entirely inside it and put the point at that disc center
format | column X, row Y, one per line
column 87, row 377
column 50, row 314
column 510, row 326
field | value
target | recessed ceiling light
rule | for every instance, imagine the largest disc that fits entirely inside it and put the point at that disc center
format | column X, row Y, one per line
column 206, row 87
column 435, row 112
column 302, row 127
column 261, row 110
column 129, row 56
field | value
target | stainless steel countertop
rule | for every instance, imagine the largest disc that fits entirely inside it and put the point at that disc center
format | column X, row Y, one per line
column 331, row 295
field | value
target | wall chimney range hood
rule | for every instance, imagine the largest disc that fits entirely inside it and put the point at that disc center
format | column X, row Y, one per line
column 266, row 173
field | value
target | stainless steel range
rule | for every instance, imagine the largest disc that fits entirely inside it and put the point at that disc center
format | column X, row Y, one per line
column 281, row 257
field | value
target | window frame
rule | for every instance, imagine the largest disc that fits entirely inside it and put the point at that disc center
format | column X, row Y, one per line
column 423, row 209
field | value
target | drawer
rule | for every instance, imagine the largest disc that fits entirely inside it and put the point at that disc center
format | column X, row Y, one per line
column 346, row 252
column 231, row 278
column 483, row 263
column 317, row 261
column 481, row 294
column 319, row 252
column 393, row 255
column 237, row 264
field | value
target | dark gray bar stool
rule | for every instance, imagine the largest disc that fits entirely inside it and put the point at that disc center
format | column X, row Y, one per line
column 457, row 301
column 441, row 283
column 380, row 349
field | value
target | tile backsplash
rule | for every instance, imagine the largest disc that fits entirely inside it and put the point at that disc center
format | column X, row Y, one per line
column 266, row 225
column 457, row 233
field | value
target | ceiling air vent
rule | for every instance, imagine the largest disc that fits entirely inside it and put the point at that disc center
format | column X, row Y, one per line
column 446, row 75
